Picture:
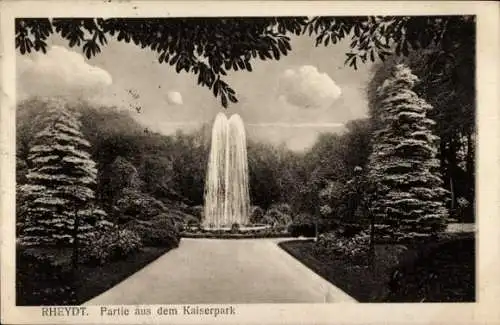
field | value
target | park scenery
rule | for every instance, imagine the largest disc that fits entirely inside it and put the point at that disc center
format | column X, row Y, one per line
column 245, row 160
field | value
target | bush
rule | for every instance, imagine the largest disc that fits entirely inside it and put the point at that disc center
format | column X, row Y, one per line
column 114, row 245
column 283, row 208
column 276, row 218
column 134, row 204
column 197, row 212
column 350, row 230
column 235, row 228
column 303, row 224
column 461, row 211
column 306, row 230
column 159, row 232
column 256, row 215
column 355, row 248
column 191, row 221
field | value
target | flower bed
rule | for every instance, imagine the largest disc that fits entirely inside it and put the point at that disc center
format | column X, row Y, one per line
column 228, row 235
column 239, row 233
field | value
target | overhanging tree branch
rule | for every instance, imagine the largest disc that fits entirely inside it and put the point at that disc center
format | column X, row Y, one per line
column 209, row 48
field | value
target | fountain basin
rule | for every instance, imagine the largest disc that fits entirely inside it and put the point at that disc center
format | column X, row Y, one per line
column 242, row 232
column 242, row 228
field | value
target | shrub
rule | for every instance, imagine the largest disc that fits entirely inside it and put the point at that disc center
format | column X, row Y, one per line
column 277, row 218
column 114, row 245
column 349, row 230
column 159, row 232
column 306, row 230
column 191, row 221
column 256, row 214
column 459, row 213
column 197, row 211
column 283, row 208
column 137, row 205
column 235, row 228
column 303, row 225
column 354, row 249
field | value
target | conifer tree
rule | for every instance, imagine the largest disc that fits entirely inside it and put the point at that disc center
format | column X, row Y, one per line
column 409, row 199
column 60, row 182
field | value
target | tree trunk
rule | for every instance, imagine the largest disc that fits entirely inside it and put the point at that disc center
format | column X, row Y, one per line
column 372, row 238
column 452, row 167
column 470, row 172
column 445, row 172
column 452, row 191
column 75, row 242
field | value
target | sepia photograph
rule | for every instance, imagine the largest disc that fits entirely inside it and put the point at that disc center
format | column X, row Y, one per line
column 170, row 163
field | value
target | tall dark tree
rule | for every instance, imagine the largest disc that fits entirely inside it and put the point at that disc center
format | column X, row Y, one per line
column 403, row 166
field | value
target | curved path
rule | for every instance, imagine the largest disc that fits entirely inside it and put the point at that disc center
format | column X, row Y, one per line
column 211, row 271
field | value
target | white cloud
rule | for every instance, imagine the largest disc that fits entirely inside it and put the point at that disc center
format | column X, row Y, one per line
column 306, row 87
column 174, row 97
column 60, row 72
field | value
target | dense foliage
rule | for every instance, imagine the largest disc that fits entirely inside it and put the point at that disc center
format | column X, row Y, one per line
column 161, row 231
column 354, row 248
column 142, row 175
column 111, row 245
column 63, row 178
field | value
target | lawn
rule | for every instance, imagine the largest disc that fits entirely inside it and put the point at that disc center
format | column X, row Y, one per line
column 59, row 285
column 441, row 271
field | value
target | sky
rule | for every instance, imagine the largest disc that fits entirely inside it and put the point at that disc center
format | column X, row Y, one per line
column 289, row 101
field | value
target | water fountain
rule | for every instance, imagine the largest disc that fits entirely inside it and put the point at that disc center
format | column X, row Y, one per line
column 226, row 187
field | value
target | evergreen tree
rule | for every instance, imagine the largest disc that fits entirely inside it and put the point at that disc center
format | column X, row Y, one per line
column 409, row 198
column 60, row 182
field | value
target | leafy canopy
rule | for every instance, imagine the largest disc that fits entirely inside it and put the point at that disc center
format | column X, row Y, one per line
column 211, row 47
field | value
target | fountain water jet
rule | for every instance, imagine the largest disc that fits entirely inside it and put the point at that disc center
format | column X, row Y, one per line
column 226, row 187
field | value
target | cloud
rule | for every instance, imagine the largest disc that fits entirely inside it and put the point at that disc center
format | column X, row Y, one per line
column 59, row 72
column 174, row 97
column 306, row 87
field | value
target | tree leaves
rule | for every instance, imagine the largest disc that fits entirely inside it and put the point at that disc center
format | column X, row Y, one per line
column 377, row 37
column 207, row 47
column 91, row 48
column 210, row 47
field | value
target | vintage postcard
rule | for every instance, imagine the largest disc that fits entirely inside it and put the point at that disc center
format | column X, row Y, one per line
column 237, row 162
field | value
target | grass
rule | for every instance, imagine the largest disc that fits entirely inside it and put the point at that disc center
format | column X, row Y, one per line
column 359, row 281
column 434, row 272
column 87, row 283
column 93, row 281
